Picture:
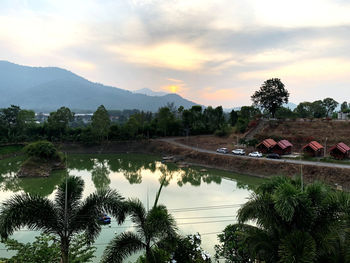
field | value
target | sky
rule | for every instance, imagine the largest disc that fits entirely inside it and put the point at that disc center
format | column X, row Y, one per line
column 213, row 52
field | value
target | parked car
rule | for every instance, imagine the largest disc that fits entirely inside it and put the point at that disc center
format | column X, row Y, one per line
column 255, row 154
column 273, row 156
column 238, row 152
column 222, row 150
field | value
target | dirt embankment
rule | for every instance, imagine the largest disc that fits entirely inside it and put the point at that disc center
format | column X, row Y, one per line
column 301, row 131
column 260, row 167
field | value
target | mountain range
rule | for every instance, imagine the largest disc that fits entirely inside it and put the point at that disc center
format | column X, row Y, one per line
column 49, row 88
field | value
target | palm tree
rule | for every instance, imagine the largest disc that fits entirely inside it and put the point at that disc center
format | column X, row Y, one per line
column 153, row 227
column 64, row 217
column 292, row 224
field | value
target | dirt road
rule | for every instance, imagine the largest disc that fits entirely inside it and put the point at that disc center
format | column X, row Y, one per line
column 300, row 162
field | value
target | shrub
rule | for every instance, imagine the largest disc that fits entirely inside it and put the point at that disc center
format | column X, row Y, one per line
column 41, row 149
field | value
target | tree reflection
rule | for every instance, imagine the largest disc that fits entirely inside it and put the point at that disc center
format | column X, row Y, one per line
column 39, row 186
column 100, row 174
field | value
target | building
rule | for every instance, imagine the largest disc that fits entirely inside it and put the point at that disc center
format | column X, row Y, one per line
column 343, row 115
column 340, row 151
column 283, row 147
column 313, row 149
column 266, row 146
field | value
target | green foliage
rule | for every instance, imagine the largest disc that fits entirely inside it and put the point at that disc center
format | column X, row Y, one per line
column 223, row 131
column 241, row 125
column 41, row 213
column 41, row 149
column 57, row 123
column 293, row 224
column 232, row 245
column 316, row 109
column 100, row 123
column 344, row 107
column 285, row 113
column 45, row 249
column 153, row 227
column 271, row 95
column 233, row 118
column 330, row 105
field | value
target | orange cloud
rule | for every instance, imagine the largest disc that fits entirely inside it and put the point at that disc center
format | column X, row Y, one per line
column 210, row 94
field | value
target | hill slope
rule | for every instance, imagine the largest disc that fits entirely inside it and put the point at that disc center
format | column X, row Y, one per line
column 48, row 88
column 301, row 132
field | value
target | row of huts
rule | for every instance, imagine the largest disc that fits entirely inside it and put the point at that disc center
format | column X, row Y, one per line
column 315, row 149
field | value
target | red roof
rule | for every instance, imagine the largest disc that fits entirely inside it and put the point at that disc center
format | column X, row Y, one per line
column 269, row 143
column 314, row 146
column 341, row 147
column 283, row 144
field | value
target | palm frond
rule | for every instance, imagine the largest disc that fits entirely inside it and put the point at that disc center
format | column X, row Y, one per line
column 137, row 213
column 32, row 211
column 160, row 223
column 75, row 187
column 121, row 247
column 87, row 213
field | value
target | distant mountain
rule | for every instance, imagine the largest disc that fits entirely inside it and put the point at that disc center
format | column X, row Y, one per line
column 48, row 88
column 150, row 92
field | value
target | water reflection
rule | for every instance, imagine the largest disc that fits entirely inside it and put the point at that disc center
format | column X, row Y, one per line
column 131, row 166
column 100, row 174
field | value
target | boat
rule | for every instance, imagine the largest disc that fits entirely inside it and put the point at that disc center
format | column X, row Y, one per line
column 104, row 219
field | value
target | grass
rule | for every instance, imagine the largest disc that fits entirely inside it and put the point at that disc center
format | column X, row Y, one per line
column 10, row 149
column 324, row 160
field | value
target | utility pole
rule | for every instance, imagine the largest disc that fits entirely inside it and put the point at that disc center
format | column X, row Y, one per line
column 301, row 173
column 66, row 206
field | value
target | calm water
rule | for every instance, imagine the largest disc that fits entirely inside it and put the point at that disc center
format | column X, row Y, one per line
column 203, row 201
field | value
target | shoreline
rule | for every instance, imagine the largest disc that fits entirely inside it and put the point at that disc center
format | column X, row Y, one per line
column 262, row 168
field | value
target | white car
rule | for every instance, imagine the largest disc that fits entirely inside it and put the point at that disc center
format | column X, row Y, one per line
column 222, row 150
column 238, row 152
column 255, row 154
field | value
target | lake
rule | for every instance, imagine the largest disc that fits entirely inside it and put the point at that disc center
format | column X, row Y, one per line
column 201, row 200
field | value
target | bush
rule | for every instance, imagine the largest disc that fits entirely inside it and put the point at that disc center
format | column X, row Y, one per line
column 41, row 149
column 223, row 131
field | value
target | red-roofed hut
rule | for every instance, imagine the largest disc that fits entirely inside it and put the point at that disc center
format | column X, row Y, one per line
column 266, row 146
column 283, row 147
column 313, row 149
column 340, row 151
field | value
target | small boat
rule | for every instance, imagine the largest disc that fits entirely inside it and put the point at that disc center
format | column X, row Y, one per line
column 104, row 219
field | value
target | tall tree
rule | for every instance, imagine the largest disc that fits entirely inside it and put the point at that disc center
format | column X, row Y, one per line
column 271, row 95
column 100, row 122
column 344, row 107
column 58, row 121
column 330, row 105
column 64, row 217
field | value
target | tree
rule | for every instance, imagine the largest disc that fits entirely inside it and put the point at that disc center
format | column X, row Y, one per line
column 100, row 122
column 293, row 224
column 271, row 95
column 8, row 117
column 58, row 121
column 45, row 249
column 154, row 227
column 330, row 105
column 318, row 109
column 61, row 218
column 344, row 107
column 233, row 118
column 232, row 246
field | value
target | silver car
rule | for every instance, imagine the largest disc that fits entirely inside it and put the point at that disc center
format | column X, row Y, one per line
column 222, row 150
column 238, row 152
column 255, row 154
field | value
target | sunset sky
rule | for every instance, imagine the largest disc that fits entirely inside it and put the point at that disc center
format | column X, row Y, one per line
column 214, row 52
